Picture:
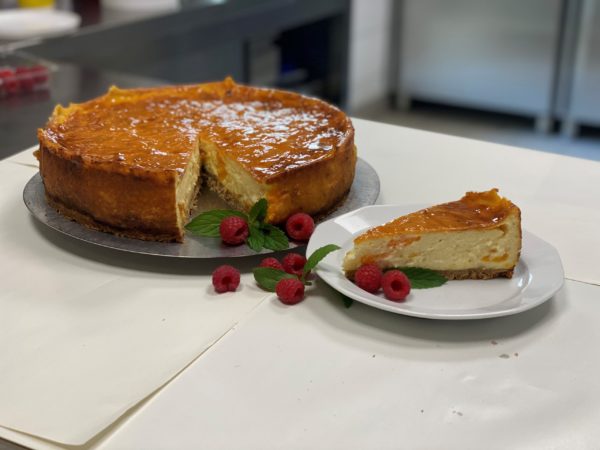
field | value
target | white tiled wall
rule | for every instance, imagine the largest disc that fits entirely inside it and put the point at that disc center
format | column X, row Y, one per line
column 370, row 38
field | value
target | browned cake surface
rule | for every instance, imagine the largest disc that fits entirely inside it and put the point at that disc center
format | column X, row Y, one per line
column 269, row 132
column 476, row 210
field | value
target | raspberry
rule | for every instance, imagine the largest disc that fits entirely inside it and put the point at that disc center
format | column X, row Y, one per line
column 293, row 263
column 225, row 278
column 290, row 291
column 368, row 277
column 233, row 230
column 395, row 285
column 40, row 73
column 300, row 226
column 272, row 263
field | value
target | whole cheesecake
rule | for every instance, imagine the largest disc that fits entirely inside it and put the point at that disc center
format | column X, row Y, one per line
column 131, row 162
column 476, row 237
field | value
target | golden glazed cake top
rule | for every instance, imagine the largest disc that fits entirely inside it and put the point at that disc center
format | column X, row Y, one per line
column 269, row 132
column 479, row 210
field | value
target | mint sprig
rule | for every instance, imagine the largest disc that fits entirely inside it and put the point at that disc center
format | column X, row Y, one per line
column 267, row 277
column 256, row 239
column 261, row 234
column 207, row 223
column 316, row 258
column 423, row 278
column 258, row 212
column 274, row 238
column 348, row 302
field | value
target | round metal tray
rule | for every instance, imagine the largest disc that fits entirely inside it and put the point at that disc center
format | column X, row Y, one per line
column 364, row 192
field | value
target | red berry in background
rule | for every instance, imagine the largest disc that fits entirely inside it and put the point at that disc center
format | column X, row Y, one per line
column 273, row 263
column 300, row 226
column 293, row 263
column 395, row 285
column 10, row 84
column 26, row 82
column 40, row 73
column 290, row 291
column 225, row 278
column 234, row 230
column 368, row 277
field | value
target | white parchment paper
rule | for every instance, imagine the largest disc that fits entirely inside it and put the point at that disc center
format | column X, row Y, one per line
column 85, row 332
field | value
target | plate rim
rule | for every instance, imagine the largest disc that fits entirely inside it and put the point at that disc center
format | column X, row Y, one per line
column 335, row 271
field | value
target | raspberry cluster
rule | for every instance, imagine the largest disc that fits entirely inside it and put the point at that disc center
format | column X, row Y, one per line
column 395, row 284
column 234, row 230
column 289, row 290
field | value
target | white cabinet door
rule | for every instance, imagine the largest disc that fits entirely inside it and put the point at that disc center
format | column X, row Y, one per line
column 584, row 104
column 492, row 54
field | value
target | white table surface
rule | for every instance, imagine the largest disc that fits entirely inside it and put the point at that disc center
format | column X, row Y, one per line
column 318, row 375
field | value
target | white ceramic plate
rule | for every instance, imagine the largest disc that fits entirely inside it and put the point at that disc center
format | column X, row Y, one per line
column 28, row 23
column 537, row 277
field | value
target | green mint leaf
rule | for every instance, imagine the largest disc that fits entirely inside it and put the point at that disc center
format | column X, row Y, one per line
column 256, row 239
column 317, row 256
column 347, row 301
column 275, row 239
column 267, row 277
column 423, row 278
column 207, row 223
column 258, row 212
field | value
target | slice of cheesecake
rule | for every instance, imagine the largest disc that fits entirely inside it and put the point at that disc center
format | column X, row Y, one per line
column 476, row 237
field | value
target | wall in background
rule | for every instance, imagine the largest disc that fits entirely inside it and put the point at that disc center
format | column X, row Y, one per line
column 370, row 40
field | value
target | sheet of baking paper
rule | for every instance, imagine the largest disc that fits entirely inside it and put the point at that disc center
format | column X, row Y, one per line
column 25, row 157
column 574, row 230
column 327, row 377
column 86, row 332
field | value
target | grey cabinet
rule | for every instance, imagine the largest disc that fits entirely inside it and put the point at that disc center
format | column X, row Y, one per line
column 489, row 54
column 583, row 103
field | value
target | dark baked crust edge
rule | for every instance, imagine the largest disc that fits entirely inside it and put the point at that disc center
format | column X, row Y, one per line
column 89, row 222
column 467, row 274
column 477, row 274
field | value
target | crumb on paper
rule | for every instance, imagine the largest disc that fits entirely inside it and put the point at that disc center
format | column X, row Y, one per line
column 516, row 353
column 422, row 411
column 458, row 413
column 373, row 356
column 494, row 342
column 504, row 356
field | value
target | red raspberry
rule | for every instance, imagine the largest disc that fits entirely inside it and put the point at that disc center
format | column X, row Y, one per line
column 225, row 278
column 11, row 84
column 40, row 73
column 300, row 226
column 368, row 277
column 395, row 285
column 290, row 291
column 272, row 263
column 234, row 230
column 294, row 263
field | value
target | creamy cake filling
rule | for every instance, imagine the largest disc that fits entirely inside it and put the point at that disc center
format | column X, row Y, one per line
column 496, row 248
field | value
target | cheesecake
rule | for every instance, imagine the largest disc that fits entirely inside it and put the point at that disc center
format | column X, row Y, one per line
column 476, row 237
column 131, row 161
